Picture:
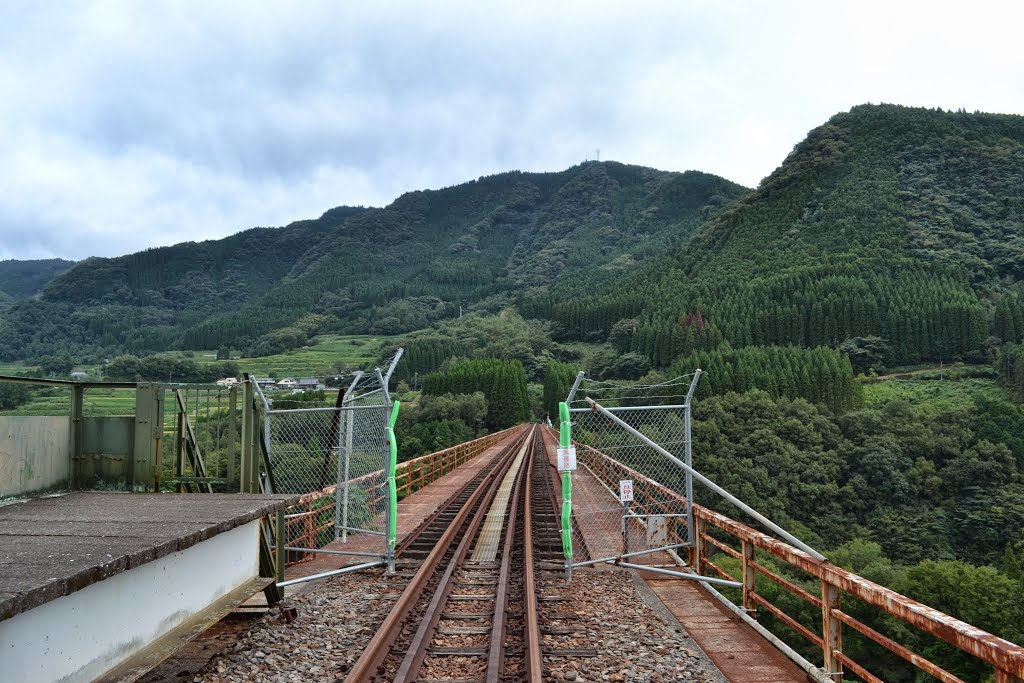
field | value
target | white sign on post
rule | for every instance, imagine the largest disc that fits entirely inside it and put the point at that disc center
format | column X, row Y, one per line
column 566, row 459
column 626, row 490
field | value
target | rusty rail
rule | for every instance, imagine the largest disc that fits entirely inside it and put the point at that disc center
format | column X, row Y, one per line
column 1006, row 658
column 531, row 637
column 377, row 649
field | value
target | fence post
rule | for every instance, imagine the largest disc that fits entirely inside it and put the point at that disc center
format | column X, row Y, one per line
column 688, row 451
column 232, row 431
column 77, row 435
column 699, row 548
column 280, row 542
column 392, row 491
column 749, row 578
column 179, row 447
column 347, row 454
column 832, row 638
column 245, row 471
column 144, row 467
column 565, row 441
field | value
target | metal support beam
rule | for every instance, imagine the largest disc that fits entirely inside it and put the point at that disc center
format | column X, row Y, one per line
column 335, row 572
column 749, row 577
column 247, row 462
column 279, row 545
column 688, row 451
column 680, row 575
column 232, row 431
column 831, row 631
column 575, row 388
column 77, row 434
column 345, row 453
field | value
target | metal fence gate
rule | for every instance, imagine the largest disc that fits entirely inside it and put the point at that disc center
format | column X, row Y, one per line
column 345, row 455
column 626, row 491
column 624, row 494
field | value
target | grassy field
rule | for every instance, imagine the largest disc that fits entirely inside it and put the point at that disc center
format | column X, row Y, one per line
column 932, row 396
column 55, row 401
column 14, row 368
column 321, row 358
column 327, row 353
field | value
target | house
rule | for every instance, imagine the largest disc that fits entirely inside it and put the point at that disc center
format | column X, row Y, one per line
column 227, row 382
column 287, row 383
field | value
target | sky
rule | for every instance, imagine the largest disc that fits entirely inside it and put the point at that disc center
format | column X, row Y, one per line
column 128, row 125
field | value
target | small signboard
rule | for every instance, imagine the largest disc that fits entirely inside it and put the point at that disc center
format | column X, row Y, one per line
column 626, row 490
column 566, row 459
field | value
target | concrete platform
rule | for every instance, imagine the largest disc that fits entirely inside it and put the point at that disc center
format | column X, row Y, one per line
column 92, row 581
column 54, row 546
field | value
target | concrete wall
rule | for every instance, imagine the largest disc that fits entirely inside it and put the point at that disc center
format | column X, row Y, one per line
column 82, row 635
column 34, row 454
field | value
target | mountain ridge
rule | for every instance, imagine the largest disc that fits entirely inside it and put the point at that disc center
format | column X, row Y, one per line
column 386, row 270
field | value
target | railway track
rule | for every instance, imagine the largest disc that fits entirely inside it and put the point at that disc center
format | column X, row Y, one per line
column 483, row 574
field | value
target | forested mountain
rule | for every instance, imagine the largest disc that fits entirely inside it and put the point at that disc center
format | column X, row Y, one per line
column 22, row 279
column 891, row 222
column 379, row 271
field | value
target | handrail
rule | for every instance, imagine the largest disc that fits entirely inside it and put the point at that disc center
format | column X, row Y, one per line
column 1007, row 658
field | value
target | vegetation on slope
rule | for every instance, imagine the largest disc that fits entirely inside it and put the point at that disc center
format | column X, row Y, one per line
column 21, row 280
column 883, row 222
column 377, row 271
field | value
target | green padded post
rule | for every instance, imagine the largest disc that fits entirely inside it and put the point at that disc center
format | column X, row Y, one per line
column 565, row 441
column 392, row 489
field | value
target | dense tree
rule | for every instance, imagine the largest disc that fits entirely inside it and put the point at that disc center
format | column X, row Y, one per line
column 502, row 382
column 167, row 369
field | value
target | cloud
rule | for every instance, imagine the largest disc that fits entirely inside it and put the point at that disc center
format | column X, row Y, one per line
column 130, row 125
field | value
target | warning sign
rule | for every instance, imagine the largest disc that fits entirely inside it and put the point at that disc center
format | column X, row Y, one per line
column 566, row 459
column 626, row 490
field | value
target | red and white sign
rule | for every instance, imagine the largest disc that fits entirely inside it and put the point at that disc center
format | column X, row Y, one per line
column 566, row 459
column 626, row 490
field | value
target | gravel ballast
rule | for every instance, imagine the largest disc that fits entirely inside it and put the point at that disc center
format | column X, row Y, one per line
column 337, row 618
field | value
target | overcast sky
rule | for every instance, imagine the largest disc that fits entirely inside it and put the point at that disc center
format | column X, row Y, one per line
column 127, row 125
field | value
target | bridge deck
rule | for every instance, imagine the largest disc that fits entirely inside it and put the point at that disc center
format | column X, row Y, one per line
column 739, row 652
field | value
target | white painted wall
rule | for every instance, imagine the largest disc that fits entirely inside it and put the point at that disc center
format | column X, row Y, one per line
column 33, row 453
column 80, row 636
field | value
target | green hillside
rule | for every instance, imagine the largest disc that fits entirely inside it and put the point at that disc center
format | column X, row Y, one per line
column 905, row 224
column 20, row 280
column 376, row 271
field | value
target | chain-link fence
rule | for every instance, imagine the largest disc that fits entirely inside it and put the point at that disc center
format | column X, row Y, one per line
column 339, row 456
column 628, row 499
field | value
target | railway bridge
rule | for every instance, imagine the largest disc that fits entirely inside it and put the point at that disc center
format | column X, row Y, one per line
column 542, row 552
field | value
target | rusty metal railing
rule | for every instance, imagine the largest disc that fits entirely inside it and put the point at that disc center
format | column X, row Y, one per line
column 1006, row 658
column 310, row 522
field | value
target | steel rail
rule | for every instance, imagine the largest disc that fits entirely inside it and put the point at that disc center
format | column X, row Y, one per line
column 412, row 538
column 531, row 638
column 417, row 648
column 496, row 651
column 379, row 646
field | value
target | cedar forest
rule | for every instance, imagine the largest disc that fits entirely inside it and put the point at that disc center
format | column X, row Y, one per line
column 890, row 237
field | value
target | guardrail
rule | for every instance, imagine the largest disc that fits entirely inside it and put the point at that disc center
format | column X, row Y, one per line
column 1006, row 658
column 310, row 522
